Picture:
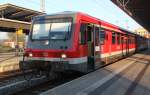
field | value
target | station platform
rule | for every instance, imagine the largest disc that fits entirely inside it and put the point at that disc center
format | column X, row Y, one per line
column 8, row 63
column 130, row 76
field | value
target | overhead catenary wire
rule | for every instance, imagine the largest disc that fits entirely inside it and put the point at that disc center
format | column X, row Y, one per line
column 110, row 11
column 105, row 8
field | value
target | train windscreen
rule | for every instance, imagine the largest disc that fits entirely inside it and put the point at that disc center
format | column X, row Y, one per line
column 52, row 28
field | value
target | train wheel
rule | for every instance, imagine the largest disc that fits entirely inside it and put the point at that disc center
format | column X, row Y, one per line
column 50, row 74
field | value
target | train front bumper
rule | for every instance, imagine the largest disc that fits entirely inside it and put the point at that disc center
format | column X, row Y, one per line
column 56, row 64
column 34, row 64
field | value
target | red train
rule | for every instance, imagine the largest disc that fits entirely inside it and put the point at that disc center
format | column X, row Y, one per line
column 76, row 41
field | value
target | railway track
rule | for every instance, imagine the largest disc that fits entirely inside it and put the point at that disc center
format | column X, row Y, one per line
column 63, row 78
column 15, row 83
column 7, row 75
column 18, row 85
column 5, row 59
column 6, row 56
column 12, row 84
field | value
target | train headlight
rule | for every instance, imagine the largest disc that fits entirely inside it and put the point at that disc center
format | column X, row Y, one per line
column 30, row 54
column 63, row 56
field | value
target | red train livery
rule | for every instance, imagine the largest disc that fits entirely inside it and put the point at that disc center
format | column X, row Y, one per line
column 76, row 41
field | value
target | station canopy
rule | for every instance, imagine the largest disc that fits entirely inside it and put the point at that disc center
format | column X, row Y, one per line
column 13, row 17
column 137, row 9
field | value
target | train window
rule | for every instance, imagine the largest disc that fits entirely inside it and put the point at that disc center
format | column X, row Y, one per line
column 122, row 40
column 82, row 36
column 97, row 35
column 60, row 30
column 89, row 32
column 132, row 40
column 40, row 31
column 129, row 40
column 118, row 38
column 102, row 36
column 113, row 38
column 56, row 29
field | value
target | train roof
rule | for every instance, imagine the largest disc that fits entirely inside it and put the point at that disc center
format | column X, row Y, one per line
column 89, row 16
column 58, row 13
column 75, row 13
column 120, row 28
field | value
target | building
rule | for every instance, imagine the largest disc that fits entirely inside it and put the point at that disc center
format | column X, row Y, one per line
column 9, row 43
column 142, row 32
column 145, row 33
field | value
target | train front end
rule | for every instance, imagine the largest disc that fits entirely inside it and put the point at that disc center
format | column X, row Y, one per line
column 50, row 44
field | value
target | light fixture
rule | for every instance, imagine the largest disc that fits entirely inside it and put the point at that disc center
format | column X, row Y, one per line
column 63, row 56
column 30, row 54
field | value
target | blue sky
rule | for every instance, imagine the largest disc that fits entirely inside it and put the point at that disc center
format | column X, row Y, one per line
column 103, row 9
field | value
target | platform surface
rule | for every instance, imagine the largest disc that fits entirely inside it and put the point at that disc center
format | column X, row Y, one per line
column 8, row 62
column 130, row 76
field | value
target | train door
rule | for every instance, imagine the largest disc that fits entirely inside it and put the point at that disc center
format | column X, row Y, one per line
column 127, row 45
column 93, row 47
column 122, row 45
column 97, row 48
column 90, row 38
column 90, row 45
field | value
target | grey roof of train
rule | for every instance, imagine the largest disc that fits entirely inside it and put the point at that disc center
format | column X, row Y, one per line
column 74, row 12
column 59, row 13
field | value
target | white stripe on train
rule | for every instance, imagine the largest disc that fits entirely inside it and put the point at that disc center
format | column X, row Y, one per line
column 70, row 60
column 75, row 60
column 116, row 52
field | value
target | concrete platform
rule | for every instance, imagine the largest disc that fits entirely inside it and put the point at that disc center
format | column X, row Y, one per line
column 8, row 63
column 130, row 76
